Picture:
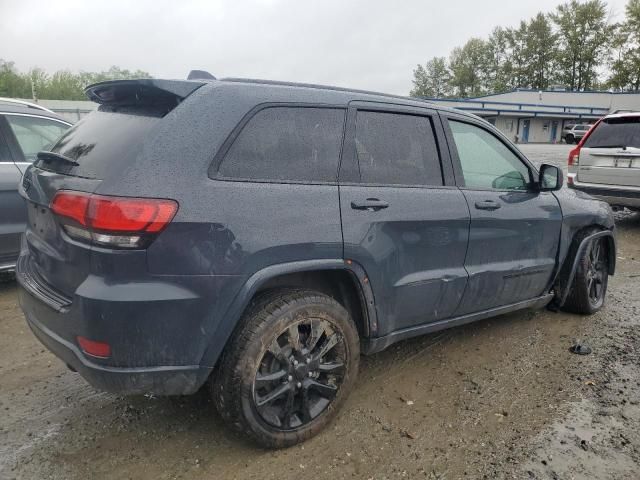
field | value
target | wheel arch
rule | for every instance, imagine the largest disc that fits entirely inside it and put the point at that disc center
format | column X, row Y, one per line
column 343, row 280
column 566, row 274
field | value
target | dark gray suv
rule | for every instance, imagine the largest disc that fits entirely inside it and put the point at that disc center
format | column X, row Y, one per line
column 256, row 237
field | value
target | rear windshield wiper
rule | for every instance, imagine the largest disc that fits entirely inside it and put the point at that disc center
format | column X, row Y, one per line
column 47, row 157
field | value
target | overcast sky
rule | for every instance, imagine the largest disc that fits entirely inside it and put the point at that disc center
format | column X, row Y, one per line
column 369, row 44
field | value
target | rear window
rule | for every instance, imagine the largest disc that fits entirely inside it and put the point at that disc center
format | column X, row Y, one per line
column 287, row 144
column 100, row 140
column 615, row 133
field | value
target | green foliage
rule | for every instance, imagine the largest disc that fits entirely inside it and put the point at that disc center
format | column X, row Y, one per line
column 432, row 80
column 61, row 85
column 571, row 47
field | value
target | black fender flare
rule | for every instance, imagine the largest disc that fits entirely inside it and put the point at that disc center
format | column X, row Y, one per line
column 242, row 299
column 611, row 240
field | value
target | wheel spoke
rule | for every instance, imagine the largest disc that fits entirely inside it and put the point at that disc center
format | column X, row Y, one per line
column 276, row 350
column 330, row 366
column 288, row 409
column 596, row 253
column 305, row 407
column 317, row 329
column 329, row 343
column 327, row 391
column 294, row 337
column 268, row 378
column 274, row 394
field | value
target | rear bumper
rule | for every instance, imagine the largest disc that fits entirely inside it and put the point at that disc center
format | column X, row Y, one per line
column 618, row 196
column 166, row 380
column 159, row 328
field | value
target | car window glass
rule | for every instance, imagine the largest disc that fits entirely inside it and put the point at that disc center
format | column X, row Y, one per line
column 35, row 133
column 615, row 132
column 289, row 144
column 397, row 149
column 486, row 162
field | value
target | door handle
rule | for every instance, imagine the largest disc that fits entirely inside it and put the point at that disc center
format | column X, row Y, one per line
column 370, row 204
column 487, row 205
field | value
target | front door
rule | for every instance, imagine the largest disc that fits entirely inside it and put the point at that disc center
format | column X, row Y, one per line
column 554, row 131
column 515, row 230
column 525, row 130
column 403, row 219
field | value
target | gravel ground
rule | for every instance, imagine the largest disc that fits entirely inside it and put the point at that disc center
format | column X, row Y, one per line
column 501, row 398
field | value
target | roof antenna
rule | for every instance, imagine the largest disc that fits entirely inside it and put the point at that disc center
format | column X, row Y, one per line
column 200, row 75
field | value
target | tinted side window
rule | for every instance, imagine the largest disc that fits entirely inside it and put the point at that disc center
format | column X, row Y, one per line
column 486, row 162
column 397, row 149
column 287, row 143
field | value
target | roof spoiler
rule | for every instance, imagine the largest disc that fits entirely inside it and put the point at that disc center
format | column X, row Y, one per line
column 146, row 91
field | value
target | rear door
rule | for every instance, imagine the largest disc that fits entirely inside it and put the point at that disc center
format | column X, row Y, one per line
column 12, row 210
column 403, row 219
column 515, row 230
column 611, row 153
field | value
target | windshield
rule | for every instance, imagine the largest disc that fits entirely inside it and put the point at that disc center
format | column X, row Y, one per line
column 615, row 133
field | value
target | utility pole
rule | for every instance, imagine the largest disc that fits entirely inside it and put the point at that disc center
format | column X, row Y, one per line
column 34, row 94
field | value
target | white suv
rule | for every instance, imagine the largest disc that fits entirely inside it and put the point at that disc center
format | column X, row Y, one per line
column 606, row 163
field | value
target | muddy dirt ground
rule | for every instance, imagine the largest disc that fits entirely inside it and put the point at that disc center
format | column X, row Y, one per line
column 501, row 398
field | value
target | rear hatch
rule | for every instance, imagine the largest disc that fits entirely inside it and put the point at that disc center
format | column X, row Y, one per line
column 611, row 153
column 103, row 143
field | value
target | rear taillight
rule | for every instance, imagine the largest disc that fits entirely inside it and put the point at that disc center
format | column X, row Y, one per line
column 574, row 156
column 120, row 222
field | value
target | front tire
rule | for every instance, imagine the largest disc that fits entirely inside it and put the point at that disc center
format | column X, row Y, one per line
column 589, row 286
column 570, row 139
column 288, row 367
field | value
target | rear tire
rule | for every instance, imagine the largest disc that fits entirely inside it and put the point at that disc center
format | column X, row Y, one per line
column 288, row 367
column 589, row 286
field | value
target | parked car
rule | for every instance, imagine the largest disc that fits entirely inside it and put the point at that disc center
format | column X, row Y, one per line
column 257, row 236
column 574, row 133
column 606, row 163
column 25, row 128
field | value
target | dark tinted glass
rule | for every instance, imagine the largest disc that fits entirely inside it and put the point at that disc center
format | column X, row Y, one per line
column 288, row 144
column 397, row 149
column 100, row 140
column 615, row 132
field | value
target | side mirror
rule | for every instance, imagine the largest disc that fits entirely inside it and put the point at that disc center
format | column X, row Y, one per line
column 550, row 178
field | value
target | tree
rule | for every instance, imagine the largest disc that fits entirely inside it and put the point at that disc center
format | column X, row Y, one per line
column 625, row 59
column 12, row 83
column 584, row 37
column 432, row 80
column 541, row 51
column 498, row 61
column 61, row 85
column 468, row 68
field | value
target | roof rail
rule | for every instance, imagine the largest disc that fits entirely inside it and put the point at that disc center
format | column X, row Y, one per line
column 24, row 104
